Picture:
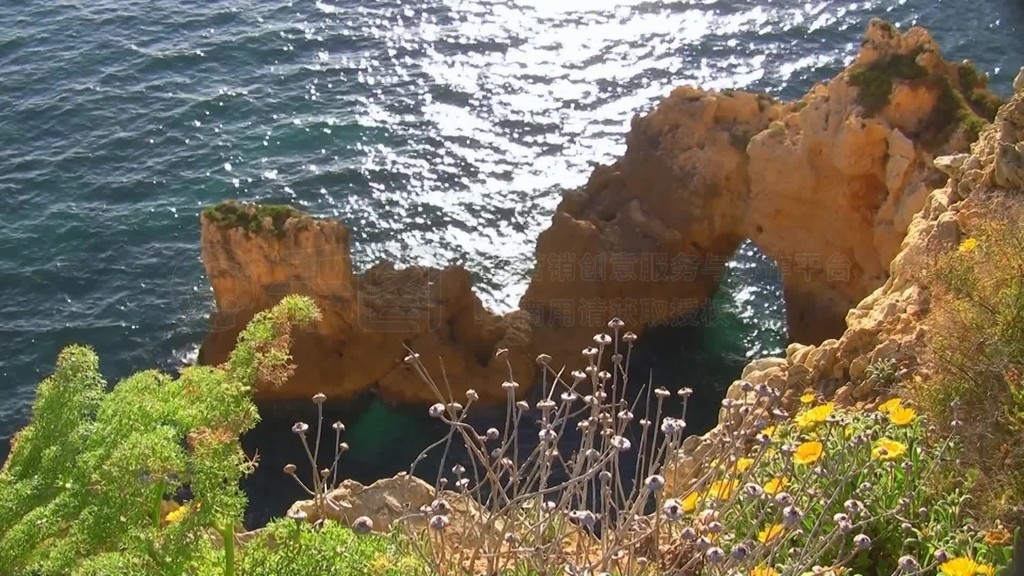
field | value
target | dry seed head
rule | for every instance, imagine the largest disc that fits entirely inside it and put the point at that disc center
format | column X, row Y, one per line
column 454, row 407
column 625, row 415
column 440, row 506
column 688, row 534
column 324, row 473
column 543, row 359
column 672, row 509
column 661, row 392
column 655, row 482
column 343, row 447
column 616, row 324
column 289, row 469
column 510, row 385
column 298, row 515
column 715, row 555
column 791, row 516
column 908, row 564
column 412, row 358
column 458, row 469
column 616, row 358
column 590, row 352
column 523, row 405
column 546, row 405
column 629, row 337
column 471, row 395
column 605, row 476
column 436, row 411
column 338, row 427
column 319, row 398
column 300, row 428
column 547, row 436
column 362, row 525
column 438, row 522
column 862, row 541
column 492, row 434
column 602, row 339
column 620, row 443
column 462, row 483
column 578, row 376
column 570, row 397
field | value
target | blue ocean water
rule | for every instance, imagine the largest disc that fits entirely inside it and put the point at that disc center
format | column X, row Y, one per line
column 438, row 130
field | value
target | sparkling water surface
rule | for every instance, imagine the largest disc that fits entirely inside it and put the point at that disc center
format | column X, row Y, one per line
column 440, row 131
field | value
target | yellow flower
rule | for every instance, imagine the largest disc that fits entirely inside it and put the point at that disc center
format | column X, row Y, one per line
column 959, row 567
column 968, row 245
column 770, row 533
column 776, row 485
column 176, row 515
column 690, row 502
column 769, row 431
column 807, row 398
column 998, row 536
column 763, row 571
column 808, row 452
column 723, row 489
column 887, row 449
column 901, row 416
column 744, row 464
column 986, row 569
column 890, row 405
column 814, row 416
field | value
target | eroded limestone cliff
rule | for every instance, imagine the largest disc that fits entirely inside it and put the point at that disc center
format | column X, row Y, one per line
column 368, row 319
column 826, row 186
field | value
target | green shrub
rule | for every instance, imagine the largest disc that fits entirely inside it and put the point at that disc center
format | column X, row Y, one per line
column 87, row 481
column 976, row 338
column 290, row 548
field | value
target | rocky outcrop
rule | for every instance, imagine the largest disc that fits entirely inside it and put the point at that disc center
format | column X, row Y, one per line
column 827, row 186
column 884, row 341
column 253, row 260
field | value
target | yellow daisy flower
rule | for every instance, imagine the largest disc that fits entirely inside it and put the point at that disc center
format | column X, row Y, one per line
column 690, row 502
column 763, row 571
column 808, row 452
column 887, row 449
column 776, row 485
column 814, row 416
column 890, row 405
column 770, row 533
column 769, row 431
column 968, row 245
column 176, row 515
column 959, row 567
column 902, row 416
column 998, row 536
column 807, row 398
column 744, row 464
column 986, row 569
column 723, row 489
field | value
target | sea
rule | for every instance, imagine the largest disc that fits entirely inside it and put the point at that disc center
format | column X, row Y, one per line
column 439, row 131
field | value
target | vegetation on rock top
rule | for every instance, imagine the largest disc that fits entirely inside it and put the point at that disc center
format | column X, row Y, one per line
column 250, row 217
column 965, row 102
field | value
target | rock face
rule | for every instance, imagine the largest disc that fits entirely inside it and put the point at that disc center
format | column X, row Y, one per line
column 827, row 186
column 368, row 319
column 888, row 323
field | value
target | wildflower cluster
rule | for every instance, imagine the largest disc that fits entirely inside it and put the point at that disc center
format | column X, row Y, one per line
column 832, row 491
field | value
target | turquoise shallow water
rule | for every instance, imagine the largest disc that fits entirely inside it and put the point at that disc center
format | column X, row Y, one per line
column 439, row 131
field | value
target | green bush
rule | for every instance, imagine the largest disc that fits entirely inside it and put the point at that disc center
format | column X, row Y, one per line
column 90, row 476
column 976, row 339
